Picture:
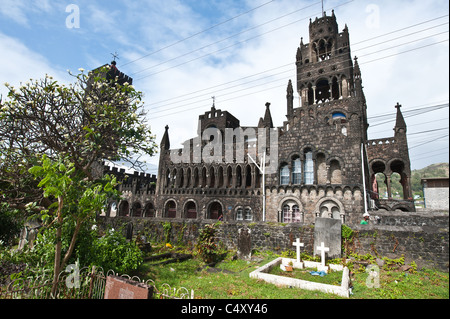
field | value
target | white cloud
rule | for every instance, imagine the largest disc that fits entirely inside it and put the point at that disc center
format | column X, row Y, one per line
column 135, row 29
column 22, row 64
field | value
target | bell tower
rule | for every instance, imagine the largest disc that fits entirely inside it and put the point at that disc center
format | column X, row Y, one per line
column 324, row 65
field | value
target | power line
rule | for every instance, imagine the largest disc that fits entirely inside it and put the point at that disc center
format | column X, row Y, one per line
column 232, row 45
column 406, row 113
column 237, row 43
column 218, row 41
column 398, row 30
column 429, row 141
column 200, row 32
column 356, row 51
column 366, row 62
column 429, row 131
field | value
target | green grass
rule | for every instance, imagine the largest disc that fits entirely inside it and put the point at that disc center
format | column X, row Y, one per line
column 332, row 278
column 230, row 279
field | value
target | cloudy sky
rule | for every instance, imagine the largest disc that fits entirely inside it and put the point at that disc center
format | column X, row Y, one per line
column 180, row 53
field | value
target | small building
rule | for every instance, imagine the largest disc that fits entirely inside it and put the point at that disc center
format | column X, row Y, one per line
column 435, row 193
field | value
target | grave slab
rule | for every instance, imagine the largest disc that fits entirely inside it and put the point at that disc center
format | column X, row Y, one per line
column 328, row 231
column 122, row 288
column 244, row 250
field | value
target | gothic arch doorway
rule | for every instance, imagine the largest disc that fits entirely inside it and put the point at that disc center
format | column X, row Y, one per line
column 214, row 210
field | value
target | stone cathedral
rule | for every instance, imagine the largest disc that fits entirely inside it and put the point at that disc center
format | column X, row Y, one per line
column 320, row 162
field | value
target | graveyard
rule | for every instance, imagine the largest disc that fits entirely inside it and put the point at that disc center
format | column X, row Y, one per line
column 232, row 276
column 242, row 272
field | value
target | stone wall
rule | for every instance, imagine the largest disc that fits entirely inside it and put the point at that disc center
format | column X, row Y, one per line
column 421, row 237
column 437, row 197
column 427, row 246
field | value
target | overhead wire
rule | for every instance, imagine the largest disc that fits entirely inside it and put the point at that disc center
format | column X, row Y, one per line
column 365, row 62
column 353, row 45
column 349, row 67
column 198, row 33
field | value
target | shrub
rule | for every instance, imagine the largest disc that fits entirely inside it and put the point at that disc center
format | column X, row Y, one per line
column 113, row 251
column 206, row 246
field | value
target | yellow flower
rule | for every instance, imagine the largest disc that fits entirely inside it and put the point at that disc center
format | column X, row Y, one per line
column 168, row 245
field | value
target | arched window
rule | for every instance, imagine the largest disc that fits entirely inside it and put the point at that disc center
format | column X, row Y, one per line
column 296, row 171
column 167, row 178
column 322, row 91
column 330, row 209
column 238, row 176
column 171, row 209
column 137, row 209
column 174, row 178
column 335, row 172
column 296, row 218
column 203, row 178
column 244, row 214
column 284, row 175
column 220, row 177
column 188, row 177
column 215, row 210
column 229, row 176
column 248, row 176
column 196, row 178
column 309, row 168
column 124, row 208
column 287, row 214
column 191, row 210
column 248, row 214
column 112, row 210
column 180, row 182
column 239, row 214
column 212, row 177
column 149, row 210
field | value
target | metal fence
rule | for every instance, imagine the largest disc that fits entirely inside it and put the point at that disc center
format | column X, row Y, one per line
column 89, row 283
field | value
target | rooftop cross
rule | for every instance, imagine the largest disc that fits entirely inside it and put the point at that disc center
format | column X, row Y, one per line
column 115, row 55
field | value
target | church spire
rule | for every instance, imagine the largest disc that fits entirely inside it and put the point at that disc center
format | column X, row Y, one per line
column 165, row 142
column 267, row 120
column 290, row 99
column 400, row 124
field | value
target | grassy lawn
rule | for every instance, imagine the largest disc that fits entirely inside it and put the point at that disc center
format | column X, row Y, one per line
column 230, row 279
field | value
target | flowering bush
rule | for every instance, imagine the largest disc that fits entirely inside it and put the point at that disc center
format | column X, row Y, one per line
column 206, row 246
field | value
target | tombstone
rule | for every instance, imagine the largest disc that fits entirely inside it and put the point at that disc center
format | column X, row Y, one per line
column 129, row 231
column 328, row 230
column 28, row 234
column 244, row 244
column 122, row 288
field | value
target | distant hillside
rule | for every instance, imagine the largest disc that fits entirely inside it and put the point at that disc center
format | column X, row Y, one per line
column 433, row 170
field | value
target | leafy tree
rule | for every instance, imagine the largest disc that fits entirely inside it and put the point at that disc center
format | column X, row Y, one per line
column 52, row 140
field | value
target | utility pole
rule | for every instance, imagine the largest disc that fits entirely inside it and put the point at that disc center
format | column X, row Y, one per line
column 262, row 169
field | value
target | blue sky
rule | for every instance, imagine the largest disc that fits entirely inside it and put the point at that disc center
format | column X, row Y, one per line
column 182, row 52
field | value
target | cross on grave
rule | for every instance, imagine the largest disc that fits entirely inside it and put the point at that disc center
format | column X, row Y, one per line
column 298, row 244
column 322, row 249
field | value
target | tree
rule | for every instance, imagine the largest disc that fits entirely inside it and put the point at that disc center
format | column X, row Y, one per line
column 52, row 139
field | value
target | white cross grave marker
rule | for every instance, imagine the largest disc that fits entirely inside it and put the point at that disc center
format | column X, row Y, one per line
column 322, row 249
column 298, row 244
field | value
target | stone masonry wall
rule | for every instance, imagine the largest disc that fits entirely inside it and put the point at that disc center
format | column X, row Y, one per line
column 420, row 237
